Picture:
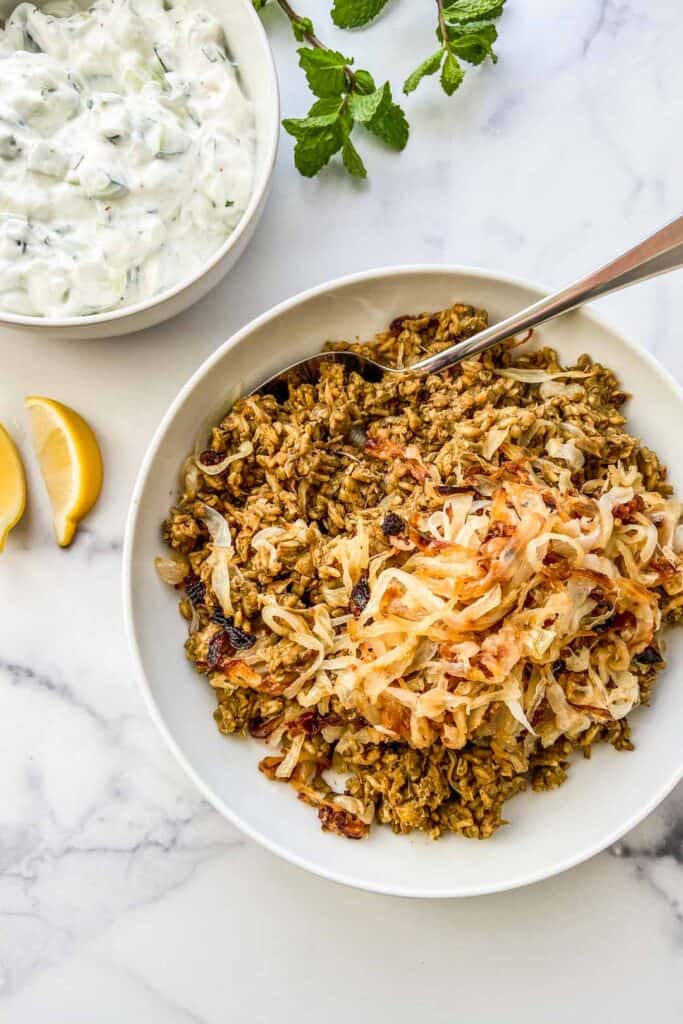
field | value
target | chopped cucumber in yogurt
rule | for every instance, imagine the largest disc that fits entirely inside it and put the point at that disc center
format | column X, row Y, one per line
column 126, row 152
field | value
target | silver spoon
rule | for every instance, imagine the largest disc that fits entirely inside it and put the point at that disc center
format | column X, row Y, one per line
column 658, row 254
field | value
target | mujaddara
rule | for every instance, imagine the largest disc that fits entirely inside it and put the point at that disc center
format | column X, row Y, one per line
column 443, row 616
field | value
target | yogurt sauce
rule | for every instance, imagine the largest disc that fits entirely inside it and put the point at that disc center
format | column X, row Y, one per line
column 126, row 152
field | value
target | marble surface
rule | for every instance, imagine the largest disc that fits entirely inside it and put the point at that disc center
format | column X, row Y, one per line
column 123, row 896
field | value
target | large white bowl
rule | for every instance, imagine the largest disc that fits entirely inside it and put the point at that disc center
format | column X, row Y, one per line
column 548, row 832
column 251, row 50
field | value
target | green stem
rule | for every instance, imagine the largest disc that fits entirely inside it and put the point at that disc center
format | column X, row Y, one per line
column 442, row 24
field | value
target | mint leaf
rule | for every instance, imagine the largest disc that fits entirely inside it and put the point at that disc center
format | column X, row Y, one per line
column 364, row 107
column 364, row 81
column 302, row 27
column 324, row 70
column 354, row 13
column 474, row 41
column 352, row 161
column 451, row 75
column 427, row 67
column 473, row 10
column 312, row 153
column 300, row 127
column 326, row 106
column 316, row 143
column 259, row 4
column 389, row 123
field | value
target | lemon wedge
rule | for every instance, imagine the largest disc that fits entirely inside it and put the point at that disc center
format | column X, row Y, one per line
column 12, row 486
column 70, row 462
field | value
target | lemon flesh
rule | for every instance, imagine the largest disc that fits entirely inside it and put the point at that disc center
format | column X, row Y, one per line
column 12, row 486
column 70, row 462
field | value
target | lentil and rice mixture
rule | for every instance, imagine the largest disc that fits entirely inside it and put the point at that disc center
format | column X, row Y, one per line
column 439, row 616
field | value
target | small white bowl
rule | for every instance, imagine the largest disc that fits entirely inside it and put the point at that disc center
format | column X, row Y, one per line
column 548, row 832
column 251, row 50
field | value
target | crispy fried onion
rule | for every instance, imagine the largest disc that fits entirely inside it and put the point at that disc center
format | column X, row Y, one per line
column 220, row 554
column 505, row 614
column 244, row 450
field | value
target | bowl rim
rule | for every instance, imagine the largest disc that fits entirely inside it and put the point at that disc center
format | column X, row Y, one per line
column 258, row 192
column 578, row 857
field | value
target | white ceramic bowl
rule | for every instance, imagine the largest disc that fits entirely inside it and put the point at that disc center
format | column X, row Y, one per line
column 548, row 832
column 251, row 50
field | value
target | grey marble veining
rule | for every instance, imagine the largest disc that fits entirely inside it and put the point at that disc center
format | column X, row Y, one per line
column 123, row 896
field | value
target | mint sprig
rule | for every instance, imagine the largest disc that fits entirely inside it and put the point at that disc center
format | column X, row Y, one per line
column 347, row 97
column 466, row 32
column 327, row 128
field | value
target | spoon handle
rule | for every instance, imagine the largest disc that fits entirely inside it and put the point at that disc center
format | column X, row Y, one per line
column 657, row 254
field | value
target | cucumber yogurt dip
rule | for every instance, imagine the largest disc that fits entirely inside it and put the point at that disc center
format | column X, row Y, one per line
column 126, row 152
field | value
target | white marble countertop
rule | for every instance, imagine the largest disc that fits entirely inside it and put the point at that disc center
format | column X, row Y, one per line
column 123, row 896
